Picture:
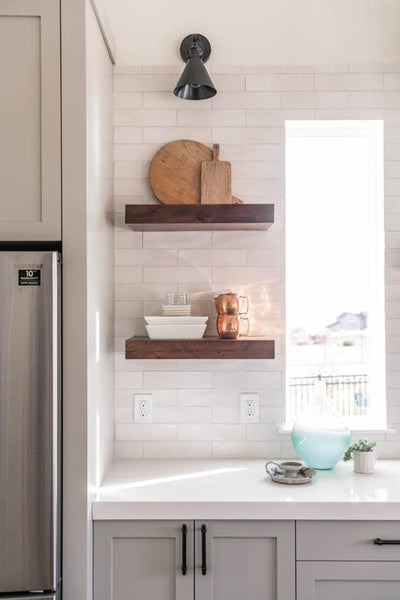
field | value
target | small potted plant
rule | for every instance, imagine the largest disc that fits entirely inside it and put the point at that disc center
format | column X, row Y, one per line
column 363, row 453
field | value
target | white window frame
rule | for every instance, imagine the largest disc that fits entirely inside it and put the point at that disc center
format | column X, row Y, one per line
column 373, row 131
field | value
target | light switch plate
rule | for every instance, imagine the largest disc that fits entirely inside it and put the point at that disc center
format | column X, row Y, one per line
column 143, row 408
column 249, row 408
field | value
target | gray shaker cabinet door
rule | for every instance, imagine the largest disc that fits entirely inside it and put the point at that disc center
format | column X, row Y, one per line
column 252, row 560
column 30, row 152
column 348, row 580
column 142, row 560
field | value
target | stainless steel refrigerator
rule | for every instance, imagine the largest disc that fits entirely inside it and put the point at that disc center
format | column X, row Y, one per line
column 30, row 425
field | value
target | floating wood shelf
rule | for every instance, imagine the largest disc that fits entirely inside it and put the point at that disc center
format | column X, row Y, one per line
column 207, row 347
column 193, row 217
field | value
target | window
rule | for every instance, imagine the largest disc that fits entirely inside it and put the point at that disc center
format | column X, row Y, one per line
column 335, row 268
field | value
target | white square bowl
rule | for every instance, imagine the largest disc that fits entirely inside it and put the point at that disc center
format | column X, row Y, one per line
column 178, row 320
column 175, row 332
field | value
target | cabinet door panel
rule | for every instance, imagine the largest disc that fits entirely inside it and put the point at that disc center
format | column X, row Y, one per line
column 348, row 580
column 245, row 559
column 141, row 560
column 346, row 540
column 30, row 152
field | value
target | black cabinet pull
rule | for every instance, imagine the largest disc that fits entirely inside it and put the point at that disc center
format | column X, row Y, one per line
column 203, row 549
column 184, row 549
column 379, row 542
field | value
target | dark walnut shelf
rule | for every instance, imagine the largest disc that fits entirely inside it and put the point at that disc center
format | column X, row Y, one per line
column 193, row 217
column 207, row 347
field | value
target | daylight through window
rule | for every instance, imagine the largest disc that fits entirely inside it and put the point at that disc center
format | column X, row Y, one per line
column 335, row 268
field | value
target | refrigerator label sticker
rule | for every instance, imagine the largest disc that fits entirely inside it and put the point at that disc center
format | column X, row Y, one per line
column 29, row 277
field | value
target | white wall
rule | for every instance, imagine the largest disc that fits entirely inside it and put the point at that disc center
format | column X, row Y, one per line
column 87, row 250
column 196, row 402
column 100, row 240
column 258, row 31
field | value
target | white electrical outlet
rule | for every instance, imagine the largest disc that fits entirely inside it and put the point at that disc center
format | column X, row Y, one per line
column 143, row 408
column 249, row 408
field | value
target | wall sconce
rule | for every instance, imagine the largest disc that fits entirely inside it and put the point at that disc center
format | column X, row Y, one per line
column 195, row 83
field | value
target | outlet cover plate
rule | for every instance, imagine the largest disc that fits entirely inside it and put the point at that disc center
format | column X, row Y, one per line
column 143, row 408
column 249, row 408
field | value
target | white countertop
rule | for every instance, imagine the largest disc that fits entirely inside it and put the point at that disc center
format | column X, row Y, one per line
column 241, row 489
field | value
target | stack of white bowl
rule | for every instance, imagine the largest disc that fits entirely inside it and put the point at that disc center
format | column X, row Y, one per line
column 176, row 310
column 176, row 327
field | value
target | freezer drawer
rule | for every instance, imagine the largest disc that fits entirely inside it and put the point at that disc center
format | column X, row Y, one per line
column 29, row 422
column 55, row 596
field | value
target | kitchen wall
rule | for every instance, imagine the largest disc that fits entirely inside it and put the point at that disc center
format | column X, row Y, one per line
column 258, row 31
column 196, row 402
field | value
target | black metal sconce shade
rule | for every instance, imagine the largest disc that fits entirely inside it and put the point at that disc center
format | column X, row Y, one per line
column 195, row 83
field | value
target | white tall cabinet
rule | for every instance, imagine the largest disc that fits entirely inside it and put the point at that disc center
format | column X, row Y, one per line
column 30, row 151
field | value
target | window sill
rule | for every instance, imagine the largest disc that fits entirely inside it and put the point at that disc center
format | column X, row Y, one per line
column 285, row 430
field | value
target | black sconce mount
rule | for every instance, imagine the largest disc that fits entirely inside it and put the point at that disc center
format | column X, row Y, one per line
column 195, row 83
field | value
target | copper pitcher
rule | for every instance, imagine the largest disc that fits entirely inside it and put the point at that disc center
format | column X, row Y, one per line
column 231, row 304
column 230, row 326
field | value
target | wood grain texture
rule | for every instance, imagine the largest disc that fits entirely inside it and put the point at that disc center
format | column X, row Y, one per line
column 155, row 217
column 208, row 347
column 216, row 180
column 175, row 172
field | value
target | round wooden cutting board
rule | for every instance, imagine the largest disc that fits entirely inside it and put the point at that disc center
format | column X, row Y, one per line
column 175, row 172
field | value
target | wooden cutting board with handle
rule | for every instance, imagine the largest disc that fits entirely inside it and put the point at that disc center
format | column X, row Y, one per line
column 175, row 172
column 216, row 180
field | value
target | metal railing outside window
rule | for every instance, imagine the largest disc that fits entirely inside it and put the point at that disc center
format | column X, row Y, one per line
column 348, row 394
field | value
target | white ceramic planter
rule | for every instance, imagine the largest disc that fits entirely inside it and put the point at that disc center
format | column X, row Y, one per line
column 364, row 462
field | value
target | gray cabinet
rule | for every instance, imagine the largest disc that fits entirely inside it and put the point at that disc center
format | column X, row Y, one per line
column 226, row 560
column 348, row 580
column 245, row 559
column 338, row 559
column 30, row 153
column 142, row 560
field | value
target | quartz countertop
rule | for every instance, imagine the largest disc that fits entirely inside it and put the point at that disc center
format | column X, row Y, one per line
column 241, row 489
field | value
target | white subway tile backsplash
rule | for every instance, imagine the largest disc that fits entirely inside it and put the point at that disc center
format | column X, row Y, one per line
column 145, row 257
column 266, row 450
column 348, row 81
column 166, row 100
column 281, row 82
column 177, row 239
column 130, row 432
column 182, row 414
column 212, row 432
column 138, row 118
column 177, row 449
column 129, row 274
column 277, row 117
column 176, row 274
column 245, row 135
column 209, row 118
column 197, row 402
column 247, row 380
column 154, row 82
column 127, row 100
column 315, row 99
column 128, row 135
column 385, row 99
column 128, row 380
column 163, row 135
column 246, row 239
column 211, row 257
column 227, row 100
column 176, row 379
column 226, row 414
column 128, row 449
column 247, row 274
column 229, row 82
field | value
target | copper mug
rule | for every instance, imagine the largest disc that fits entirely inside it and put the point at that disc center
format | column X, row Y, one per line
column 231, row 304
column 230, row 326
